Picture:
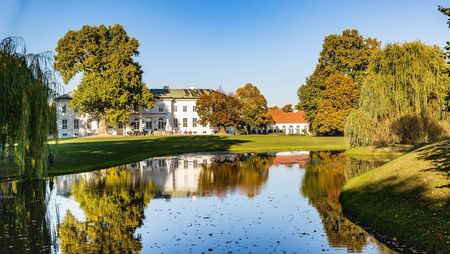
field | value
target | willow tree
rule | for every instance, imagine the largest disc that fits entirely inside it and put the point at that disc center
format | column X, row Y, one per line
column 402, row 98
column 111, row 85
column 27, row 86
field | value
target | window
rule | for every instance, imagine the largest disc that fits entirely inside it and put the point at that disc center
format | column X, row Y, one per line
column 186, row 163
column 194, row 108
column 184, row 122
column 135, row 124
column 194, row 122
column 174, row 108
column 64, row 109
column 75, row 134
column 89, row 124
column 175, row 122
column 64, row 134
column 148, row 125
column 64, row 124
column 195, row 163
column 76, row 124
column 291, row 129
column 284, row 129
column 184, row 108
column 120, row 125
column 297, row 129
column 161, row 123
column 161, row 108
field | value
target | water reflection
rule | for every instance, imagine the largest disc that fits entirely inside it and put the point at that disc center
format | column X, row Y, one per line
column 113, row 201
column 197, row 202
column 326, row 174
column 243, row 172
column 23, row 214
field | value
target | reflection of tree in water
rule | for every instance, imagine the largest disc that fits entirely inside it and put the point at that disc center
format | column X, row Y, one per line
column 246, row 172
column 114, row 204
column 324, row 178
column 23, row 210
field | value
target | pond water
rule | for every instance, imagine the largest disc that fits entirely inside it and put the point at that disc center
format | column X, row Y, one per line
column 200, row 203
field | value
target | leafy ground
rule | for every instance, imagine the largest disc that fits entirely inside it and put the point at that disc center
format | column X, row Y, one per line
column 89, row 153
column 407, row 199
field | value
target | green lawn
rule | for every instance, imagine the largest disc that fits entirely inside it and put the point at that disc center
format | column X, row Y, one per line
column 85, row 154
column 406, row 199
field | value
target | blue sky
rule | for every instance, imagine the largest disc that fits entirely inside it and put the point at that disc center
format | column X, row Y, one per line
column 271, row 43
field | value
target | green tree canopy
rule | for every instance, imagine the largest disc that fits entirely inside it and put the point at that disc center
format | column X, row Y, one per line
column 403, row 94
column 348, row 53
column 253, row 108
column 287, row 108
column 218, row 109
column 27, row 87
column 340, row 96
column 111, row 84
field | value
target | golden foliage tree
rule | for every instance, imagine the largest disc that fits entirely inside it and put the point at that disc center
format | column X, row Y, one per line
column 218, row 109
column 340, row 96
column 348, row 53
column 253, row 108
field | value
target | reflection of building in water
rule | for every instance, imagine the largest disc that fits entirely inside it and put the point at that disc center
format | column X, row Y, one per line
column 176, row 175
column 179, row 176
column 291, row 158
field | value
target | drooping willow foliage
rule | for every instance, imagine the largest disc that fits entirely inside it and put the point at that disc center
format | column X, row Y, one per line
column 27, row 117
column 402, row 98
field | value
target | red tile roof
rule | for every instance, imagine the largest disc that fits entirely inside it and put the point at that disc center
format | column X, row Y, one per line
column 279, row 116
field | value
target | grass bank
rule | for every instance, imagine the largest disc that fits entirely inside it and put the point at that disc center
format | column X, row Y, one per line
column 390, row 151
column 406, row 200
column 89, row 153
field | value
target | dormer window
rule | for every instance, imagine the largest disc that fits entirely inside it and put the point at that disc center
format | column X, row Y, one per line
column 64, row 109
column 161, row 108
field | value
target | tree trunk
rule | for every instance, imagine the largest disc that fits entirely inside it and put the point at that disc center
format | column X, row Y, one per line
column 102, row 129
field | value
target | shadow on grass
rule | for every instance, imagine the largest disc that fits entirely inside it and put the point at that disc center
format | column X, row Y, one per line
column 85, row 156
column 439, row 156
column 401, row 213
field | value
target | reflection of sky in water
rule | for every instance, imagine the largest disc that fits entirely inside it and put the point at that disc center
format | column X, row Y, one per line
column 278, row 218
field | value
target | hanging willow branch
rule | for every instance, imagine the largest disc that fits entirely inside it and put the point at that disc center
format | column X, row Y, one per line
column 27, row 87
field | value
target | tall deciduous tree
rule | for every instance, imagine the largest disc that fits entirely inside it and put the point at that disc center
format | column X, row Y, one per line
column 340, row 97
column 287, row 108
column 218, row 109
column 111, row 85
column 347, row 53
column 402, row 96
column 253, row 108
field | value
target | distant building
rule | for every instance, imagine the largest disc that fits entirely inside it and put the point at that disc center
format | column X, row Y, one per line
column 289, row 122
column 174, row 111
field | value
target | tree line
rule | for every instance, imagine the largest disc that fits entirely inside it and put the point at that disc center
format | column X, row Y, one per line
column 244, row 111
column 398, row 93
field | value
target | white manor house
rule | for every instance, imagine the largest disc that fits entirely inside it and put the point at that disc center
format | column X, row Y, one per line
column 174, row 112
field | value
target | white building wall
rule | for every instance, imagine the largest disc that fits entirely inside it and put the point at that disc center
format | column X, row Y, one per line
column 291, row 128
column 68, row 130
column 160, row 117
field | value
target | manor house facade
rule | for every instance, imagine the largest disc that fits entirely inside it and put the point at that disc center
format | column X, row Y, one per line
column 174, row 112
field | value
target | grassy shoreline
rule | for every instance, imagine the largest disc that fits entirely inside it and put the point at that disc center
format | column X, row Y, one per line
column 406, row 200
column 91, row 153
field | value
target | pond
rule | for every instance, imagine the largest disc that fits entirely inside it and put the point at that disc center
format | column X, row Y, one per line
column 201, row 203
